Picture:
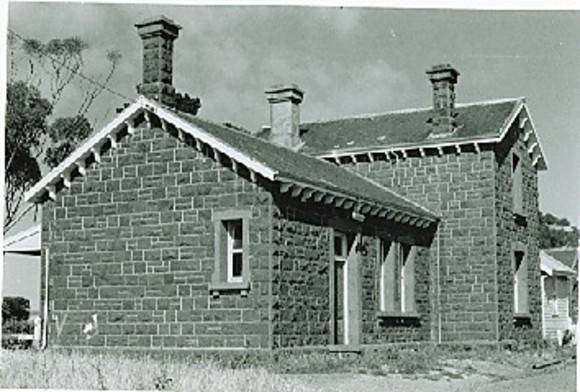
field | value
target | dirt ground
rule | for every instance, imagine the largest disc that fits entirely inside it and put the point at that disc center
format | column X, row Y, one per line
column 478, row 376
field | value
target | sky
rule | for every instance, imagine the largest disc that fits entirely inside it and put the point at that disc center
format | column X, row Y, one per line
column 349, row 61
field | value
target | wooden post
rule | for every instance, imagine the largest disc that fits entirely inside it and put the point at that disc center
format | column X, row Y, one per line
column 37, row 332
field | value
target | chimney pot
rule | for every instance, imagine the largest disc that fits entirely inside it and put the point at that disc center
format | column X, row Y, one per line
column 443, row 77
column 285, row 115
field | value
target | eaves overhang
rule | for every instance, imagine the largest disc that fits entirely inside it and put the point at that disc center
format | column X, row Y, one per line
column 124, row 125
column 400, row 151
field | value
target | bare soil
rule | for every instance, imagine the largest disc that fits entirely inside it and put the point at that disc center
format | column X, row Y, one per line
column 454, row 375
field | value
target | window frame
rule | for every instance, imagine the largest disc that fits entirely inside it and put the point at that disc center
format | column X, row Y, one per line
column 342, row 258
column 400, row 300
column 231, row 250
column 521, row 303
column 517, row 185
column 222, row 279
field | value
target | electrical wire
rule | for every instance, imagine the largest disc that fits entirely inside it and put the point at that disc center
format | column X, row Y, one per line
column 76, row 72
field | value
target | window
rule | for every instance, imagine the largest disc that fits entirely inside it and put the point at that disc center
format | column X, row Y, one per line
column 520, row 282
column 397, row 277
column 341, row 293
column 517, row 193
column 549, row 297
column 231, row 266
column 340, row 246
column 235, row 251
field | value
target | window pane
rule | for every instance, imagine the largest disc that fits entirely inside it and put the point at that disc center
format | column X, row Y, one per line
column 235, row 231
column 237, row 265
column 405, row 250
column 520, row 282
column 515, row 163
column 389, row 278
column 338, row 246
column 519, row 256
column 517, row 183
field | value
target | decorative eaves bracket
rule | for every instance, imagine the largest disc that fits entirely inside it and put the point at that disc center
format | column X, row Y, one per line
column 305, row 192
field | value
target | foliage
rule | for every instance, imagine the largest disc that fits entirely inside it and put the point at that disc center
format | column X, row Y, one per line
column 51, row 67
column 61, row 59
column 15, row 309
column 65, row 134
column 557, row 232
column 550, row 219
column 26, row 125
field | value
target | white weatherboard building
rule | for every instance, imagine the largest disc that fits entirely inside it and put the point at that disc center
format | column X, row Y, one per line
column 557, row 284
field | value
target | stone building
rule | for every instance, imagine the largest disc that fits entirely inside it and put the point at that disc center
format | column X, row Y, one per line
column 164, row 230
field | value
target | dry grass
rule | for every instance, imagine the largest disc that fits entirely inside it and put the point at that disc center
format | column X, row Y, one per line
column 27, row 369
column 250, row 372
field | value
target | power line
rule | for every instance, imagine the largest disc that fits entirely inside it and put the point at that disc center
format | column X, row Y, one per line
column 76, row 72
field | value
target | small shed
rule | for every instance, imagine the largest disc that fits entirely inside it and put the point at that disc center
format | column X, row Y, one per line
column 556, row 285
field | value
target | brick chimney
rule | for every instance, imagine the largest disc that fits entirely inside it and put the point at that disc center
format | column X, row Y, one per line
column 443, row 77
column 158, row 34
column 285, row 115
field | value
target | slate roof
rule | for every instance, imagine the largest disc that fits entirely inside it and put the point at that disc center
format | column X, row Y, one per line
column 259, row 156
column 478, row 120
column 306, row 169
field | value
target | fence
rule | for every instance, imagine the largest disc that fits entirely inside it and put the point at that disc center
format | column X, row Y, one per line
column 23, row 338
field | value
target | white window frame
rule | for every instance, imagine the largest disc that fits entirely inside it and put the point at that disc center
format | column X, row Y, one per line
column 343, row 259
column 517, row 184
column 222, row 278
column 387, row 304
column 383, row 274
column 231, row 251
column 520, row 308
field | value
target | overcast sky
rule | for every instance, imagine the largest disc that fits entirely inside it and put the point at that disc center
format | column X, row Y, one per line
column 349, row 61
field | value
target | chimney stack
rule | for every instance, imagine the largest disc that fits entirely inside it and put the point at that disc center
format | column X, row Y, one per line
column 443, row 77
column 285, row 115
column 158, row 34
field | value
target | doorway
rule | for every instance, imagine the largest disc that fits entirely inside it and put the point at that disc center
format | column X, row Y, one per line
column 345, row 298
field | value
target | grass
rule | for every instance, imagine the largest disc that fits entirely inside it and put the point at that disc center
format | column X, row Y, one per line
column 76, row 370
column 255, row 372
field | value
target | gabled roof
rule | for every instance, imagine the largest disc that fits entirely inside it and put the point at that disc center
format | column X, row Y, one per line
column 24, row 242
column 404, row 130
column 300, row 175
column 566, row 255
column 553, row 266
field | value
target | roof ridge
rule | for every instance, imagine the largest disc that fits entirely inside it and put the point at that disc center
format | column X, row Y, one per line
column 413, row 110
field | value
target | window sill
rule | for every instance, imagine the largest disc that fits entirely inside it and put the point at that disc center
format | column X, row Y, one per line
column 399, row 319
column 399, row 315
column 344, row 348
column 218, row 288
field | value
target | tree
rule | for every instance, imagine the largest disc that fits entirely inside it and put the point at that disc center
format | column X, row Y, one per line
column 15, row 308
column 557, row 232
column 65, row 134
column 30, row 138
column 26, row 126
